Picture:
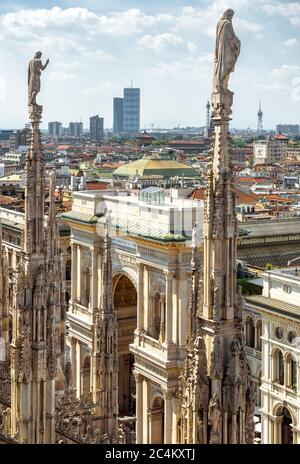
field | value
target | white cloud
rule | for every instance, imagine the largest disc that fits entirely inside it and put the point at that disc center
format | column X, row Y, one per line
column 98, row 55
column 285, row 71
column 104, row 87
column 192, row 47
column 160, row 41
column 188, row 67
column 62, row 76
column 2, row 89
column 290, row 42
column 296, row 89
column 290, row 10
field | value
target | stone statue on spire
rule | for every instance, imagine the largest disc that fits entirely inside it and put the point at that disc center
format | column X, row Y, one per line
column 35, row 69
column 34, row 77
column 227, row 52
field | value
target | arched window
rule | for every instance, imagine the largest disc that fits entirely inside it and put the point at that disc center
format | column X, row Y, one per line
column 278, row 367
column 258, row 335
column 68, row 270
column 291, row 366
column 281, row 368
column 250, row 332
column 294, row 374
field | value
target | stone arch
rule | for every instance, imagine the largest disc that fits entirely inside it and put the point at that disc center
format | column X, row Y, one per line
column 283, row 428
column 86, row 374
column 278, row 367
column 278, row 409
column 125, row 303
column 156, row 418
column 118, row 271
column 291, row 370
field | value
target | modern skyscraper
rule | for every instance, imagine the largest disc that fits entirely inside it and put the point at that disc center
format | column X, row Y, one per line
column 118, row 115
column 131, row 117
column 75, row 129
column 96, row 128
column 54, row 129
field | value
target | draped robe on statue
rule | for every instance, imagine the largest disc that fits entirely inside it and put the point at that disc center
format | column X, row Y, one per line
column 227, row 52
column 34, row 82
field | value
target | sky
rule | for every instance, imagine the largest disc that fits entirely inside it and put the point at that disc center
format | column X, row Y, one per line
column 166, row 47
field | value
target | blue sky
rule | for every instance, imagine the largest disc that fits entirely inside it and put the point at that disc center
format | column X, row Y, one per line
column 96, row 47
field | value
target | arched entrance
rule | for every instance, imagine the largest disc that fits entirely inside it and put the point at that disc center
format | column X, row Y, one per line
column 283, row 429
column 125, row 303
column 157, row 421
column 86, row 367
column 286, row 429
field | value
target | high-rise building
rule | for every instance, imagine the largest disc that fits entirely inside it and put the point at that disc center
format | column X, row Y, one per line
column 118, row 115
column 75, row 129
column 96, row 128
column 131, row 111
column 291, row 130
column 55, row 129
column 18, row 138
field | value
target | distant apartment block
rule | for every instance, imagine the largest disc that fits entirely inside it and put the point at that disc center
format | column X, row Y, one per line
column 131, row 111
column 290, row 130
column 18, row 138
column 118, row 115
column 55, row 129
column 75, row 129
column 271, row 150
column 96, row 128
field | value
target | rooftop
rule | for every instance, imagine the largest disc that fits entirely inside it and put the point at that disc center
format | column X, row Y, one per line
column 147, row 166
column 274, row 306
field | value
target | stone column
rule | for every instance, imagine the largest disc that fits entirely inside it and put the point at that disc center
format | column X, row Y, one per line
column 140, row 299
column 145, row 401
column 94, row 280
column 73, row 362
column 146, row 299
column 78, row 369
column 139, row 408
column 169, row 307
column 174, row 421
column 74, row 272
column 79, row 273
column 168, row 417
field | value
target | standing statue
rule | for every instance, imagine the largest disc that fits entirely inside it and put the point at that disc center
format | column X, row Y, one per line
column 196, row 235
column 227, row 52
column 215, row 414
column 35, row 69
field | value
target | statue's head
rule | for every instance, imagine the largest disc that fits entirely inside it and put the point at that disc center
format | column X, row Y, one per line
column 38, row 55
column 228, row 14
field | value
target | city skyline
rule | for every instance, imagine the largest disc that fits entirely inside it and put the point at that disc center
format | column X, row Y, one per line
column 96, row 50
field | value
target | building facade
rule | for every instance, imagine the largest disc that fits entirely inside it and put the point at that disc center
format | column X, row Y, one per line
column 118, row 115
column 131, row 111
column 269, row 151
column 55, row 129
column 75, row 129
column 96, row 128
column 272, row 330
column 290, row 130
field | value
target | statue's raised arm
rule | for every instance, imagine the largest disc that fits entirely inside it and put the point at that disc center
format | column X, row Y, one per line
column 34, row 77
column 227, row 52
